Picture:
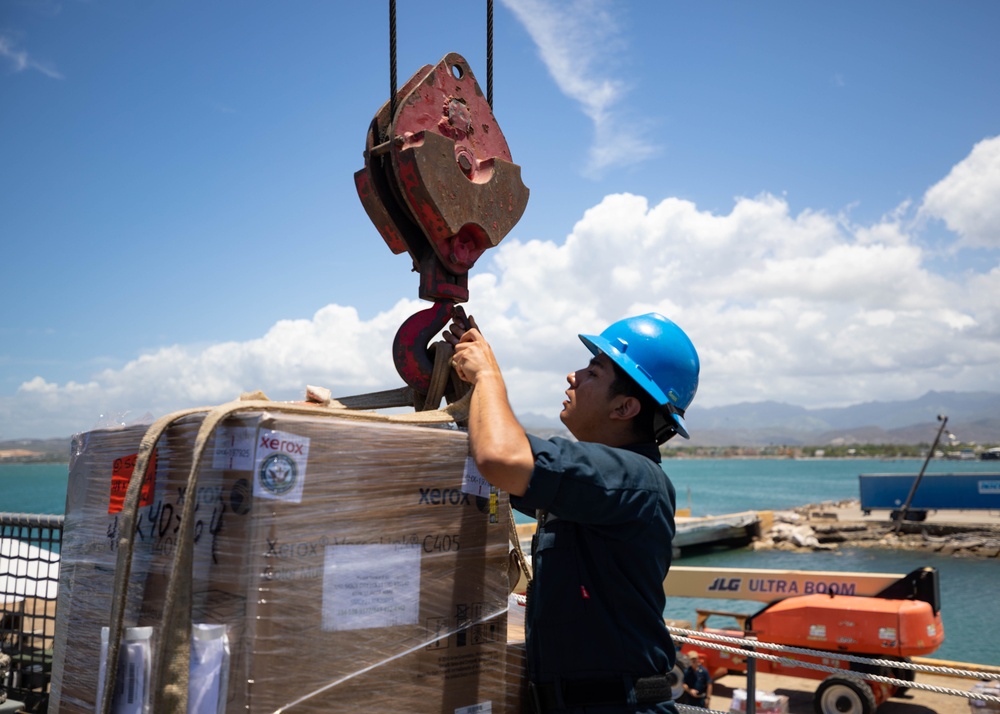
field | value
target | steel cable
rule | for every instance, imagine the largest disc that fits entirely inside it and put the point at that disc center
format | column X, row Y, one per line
column 489, row 53
column 392, row 64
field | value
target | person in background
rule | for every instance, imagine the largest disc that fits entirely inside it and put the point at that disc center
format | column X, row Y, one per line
column 697, row 682
column 594, row 629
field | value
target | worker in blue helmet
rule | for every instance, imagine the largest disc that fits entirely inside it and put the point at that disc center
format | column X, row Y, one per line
column 596, row 640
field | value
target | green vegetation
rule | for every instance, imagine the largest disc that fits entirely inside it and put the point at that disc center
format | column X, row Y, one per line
column 843, row 451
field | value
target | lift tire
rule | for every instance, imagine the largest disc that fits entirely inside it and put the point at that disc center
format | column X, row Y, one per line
column 838, row 695
column 676, row 676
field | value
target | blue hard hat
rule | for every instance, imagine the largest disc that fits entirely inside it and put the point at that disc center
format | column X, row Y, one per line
column 659, row 356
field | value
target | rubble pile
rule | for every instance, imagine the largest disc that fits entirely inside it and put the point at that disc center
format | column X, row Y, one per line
column 824, row 527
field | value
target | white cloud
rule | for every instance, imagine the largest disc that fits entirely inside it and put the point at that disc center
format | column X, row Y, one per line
column 802, row 308
column 576, row 41
column 333, row 349
column 968, row 198
column 21, row 61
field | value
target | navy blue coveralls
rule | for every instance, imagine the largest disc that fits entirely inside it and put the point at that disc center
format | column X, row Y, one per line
column 594, row 621
column 697, row 678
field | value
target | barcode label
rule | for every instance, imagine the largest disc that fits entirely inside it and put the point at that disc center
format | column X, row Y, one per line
column 130, row 698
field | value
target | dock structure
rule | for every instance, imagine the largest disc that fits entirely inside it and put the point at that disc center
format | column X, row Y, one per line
column 733, row 529
column 800, row 692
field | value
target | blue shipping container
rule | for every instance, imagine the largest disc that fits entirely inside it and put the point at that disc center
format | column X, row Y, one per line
column 935, row 491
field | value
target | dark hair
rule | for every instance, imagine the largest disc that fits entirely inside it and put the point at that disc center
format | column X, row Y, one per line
column 643, row 423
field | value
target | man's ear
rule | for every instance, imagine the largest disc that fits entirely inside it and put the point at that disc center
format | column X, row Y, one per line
column 625, row 408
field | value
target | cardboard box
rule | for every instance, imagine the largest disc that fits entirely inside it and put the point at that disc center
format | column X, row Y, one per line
column 357, row 565
column 988, row 688
column 766, row 702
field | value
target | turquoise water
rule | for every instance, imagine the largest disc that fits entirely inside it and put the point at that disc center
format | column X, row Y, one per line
column 717, row 486
column 33, row 488
column 969, row 587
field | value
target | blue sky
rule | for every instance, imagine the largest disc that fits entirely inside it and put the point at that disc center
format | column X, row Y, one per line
column 811, row 190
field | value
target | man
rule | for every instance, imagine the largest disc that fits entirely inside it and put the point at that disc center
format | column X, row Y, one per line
column 697, row 682
column 596, row 640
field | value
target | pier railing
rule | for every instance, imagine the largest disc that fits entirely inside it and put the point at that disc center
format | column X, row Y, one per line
column 29, row 580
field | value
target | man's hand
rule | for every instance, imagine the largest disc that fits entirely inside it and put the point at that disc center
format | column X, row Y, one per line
column 499, row 445
column 473, row 355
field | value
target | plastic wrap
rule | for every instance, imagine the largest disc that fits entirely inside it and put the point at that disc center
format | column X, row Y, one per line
column 355, row 566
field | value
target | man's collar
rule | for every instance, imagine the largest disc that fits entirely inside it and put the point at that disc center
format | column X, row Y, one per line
column 649, row 449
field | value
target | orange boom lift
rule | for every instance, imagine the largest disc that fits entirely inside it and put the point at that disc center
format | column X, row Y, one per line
column 873, row 615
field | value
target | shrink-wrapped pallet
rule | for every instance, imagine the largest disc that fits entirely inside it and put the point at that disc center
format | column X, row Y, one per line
column 354, row 565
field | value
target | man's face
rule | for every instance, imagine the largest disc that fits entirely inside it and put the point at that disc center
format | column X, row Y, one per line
column 588, row 406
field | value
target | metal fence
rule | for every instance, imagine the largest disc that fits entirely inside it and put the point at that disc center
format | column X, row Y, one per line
column 29, row 580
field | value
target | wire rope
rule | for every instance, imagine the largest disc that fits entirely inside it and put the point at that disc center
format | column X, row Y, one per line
column 392, row 63
column 489, row 53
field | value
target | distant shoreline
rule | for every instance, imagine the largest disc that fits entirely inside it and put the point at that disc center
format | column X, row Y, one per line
column 6, row 458
column 24, row 456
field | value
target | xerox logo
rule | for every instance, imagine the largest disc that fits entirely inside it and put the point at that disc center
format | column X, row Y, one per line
column 278, row 473
column 443, row 497
column 451, row 497
column 273, row 443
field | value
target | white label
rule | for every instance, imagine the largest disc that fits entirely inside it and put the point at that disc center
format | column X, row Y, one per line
column 370, row 585
column 233, row 448
column 484, row 708
column 887, row 633
column 209, row 669
column 473, row 482
column 134, row 655
column 817, row 632
column 281, row 465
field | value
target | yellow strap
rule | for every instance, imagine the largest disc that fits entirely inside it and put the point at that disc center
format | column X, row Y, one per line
column 517, row 553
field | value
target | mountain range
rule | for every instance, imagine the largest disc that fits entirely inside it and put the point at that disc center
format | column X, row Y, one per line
column 973, row 417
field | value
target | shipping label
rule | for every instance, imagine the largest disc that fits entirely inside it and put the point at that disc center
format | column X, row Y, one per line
column 121, row 475
column 367, row 586
column 233, row 448
column 473, row 482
